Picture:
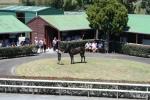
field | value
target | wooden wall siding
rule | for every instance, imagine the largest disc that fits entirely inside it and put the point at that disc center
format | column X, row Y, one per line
column 38, row 27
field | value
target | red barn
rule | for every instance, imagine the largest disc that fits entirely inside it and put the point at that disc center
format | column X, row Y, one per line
column 63, row 27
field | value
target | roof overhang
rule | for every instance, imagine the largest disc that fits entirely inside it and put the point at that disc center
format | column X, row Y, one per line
column 15, row 32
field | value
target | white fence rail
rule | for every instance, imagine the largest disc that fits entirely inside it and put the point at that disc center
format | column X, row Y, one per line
column 117, row 90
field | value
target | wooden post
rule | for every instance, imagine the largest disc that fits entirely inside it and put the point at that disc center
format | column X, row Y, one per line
column 46, row 38
column 31, row 38
column 59, row 37
column 136, row 38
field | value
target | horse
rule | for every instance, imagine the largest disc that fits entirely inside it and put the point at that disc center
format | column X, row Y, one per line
column 78, row 50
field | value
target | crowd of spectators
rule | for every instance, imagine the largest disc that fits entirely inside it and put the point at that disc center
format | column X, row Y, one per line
column 40, row 45
column 14, row 43
column 93, row 46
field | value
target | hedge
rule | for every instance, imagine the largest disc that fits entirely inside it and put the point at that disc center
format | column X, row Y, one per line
column 130, row 49
column 76, row 43
column 136, row 50
column 9, row 52
column 125, row 48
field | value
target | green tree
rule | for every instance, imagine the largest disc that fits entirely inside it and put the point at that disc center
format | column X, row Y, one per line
column 27, row 2
column 129, row 4
column 57, row 3
column 109, row 16
column 146, row 6
column 69, row 5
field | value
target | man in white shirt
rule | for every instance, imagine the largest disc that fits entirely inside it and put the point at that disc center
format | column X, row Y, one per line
column 88, row 46
column 54, row 43
column 94, row 47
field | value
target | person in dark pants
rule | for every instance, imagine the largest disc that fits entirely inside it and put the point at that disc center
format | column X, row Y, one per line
column 59, row 52
column 59, row 56
column 44, row 46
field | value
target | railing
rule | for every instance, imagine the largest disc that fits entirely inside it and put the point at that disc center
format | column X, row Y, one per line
column 59, row 87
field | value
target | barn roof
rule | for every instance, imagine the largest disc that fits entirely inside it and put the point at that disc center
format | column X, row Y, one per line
column 24, row 8
column 139, row 24
column 10, row 24
column 67, row 22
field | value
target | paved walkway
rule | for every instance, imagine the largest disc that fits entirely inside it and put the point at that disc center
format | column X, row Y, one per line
column 49, row 97
column 7, row 66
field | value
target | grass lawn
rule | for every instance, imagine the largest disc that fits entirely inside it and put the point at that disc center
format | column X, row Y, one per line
column 95, row 68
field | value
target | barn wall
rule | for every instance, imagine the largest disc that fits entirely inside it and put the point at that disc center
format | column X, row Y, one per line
column 38, row 27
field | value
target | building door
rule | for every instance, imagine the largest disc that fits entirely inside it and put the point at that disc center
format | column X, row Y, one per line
column 50, row 33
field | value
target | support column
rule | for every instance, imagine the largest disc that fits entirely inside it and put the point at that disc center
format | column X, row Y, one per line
column 46, row 38
column 30, row 37
column 59, row 36
column 136, row 38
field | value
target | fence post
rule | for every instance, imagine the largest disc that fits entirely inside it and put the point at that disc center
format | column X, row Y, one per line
column 117, row 91
column 147, row 98
column 59, row 89
column 88, row 91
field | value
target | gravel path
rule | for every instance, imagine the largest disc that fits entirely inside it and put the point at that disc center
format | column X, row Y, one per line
column 7, row 66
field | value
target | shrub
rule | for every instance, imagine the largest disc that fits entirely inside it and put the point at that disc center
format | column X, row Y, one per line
column 136, row 50
column 116, row 46
column 9, row 52
column 131, row 49
column 74, row 44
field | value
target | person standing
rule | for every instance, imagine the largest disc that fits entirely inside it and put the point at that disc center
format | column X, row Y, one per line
column 41, row 42
column 94, row 46
column 59, row 52
column 44, row 45
column 36, row 42
column 54, row 43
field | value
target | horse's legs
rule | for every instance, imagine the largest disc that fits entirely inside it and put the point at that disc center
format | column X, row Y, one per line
column 72, row 59
column 81, row 57
column 59, row 57
column 84, row 56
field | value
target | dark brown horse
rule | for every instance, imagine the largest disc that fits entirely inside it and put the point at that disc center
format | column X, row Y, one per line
column 78, row 50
